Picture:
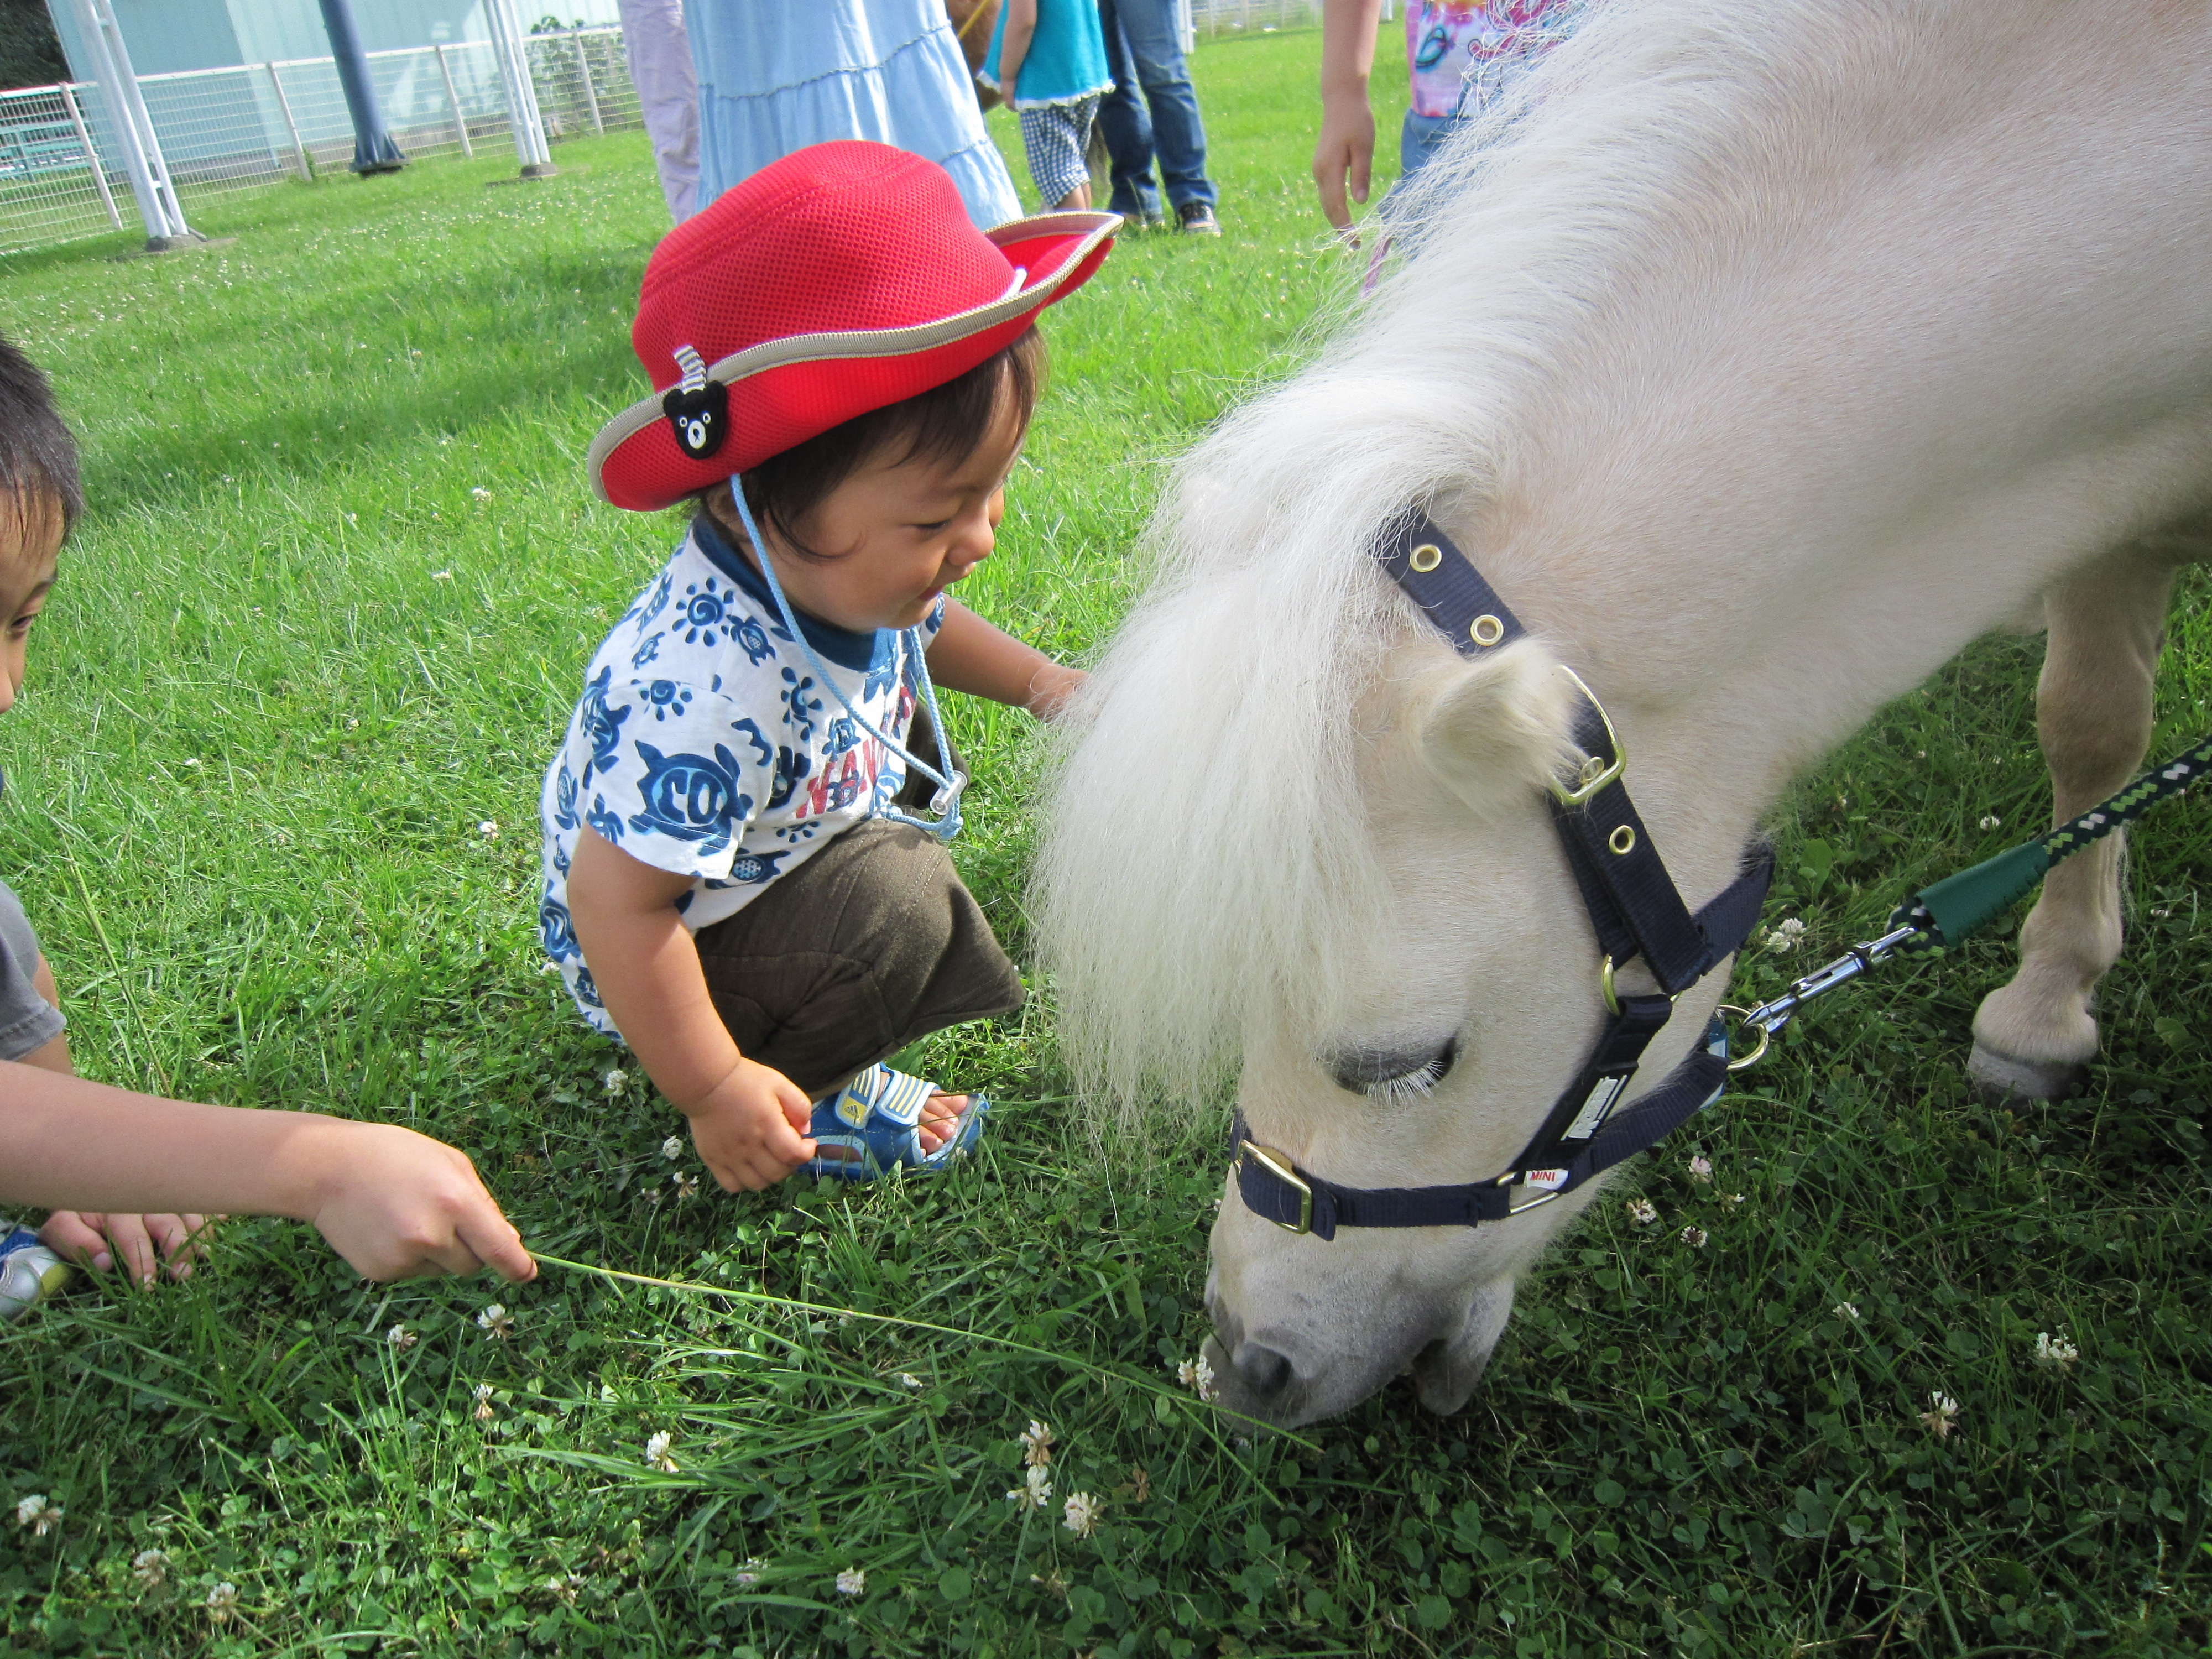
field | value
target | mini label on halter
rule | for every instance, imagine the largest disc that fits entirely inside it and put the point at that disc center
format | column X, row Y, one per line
column 1595, row 1107
column 700, row 418
column 1544, row 1181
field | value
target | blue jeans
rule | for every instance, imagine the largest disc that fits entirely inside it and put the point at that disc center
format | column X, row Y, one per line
column 1419, row 138
column 1143, row 53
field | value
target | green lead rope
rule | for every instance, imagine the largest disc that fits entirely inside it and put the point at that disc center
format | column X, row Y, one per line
column 1959, row 905
column 1940, row 916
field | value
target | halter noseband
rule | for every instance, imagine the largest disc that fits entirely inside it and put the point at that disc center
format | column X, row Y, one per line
column 1635, row 910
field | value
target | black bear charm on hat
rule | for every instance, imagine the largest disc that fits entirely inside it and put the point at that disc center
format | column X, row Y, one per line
column 698, row 409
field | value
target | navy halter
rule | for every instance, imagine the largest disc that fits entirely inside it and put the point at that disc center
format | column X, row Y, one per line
column 1636, row 911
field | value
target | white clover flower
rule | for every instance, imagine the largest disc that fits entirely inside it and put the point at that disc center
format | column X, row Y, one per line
column 656, row 1452
column 222, row 1603
column 1792, row 925
column 497, row 1322
column 483, row 1402
column 1942, row 1415
column 1992, row 822
column 2055, row 1353
column 1694, row 1238
column 36, row 1513
column 672, row 1148
column 907, row 1380
column 749, row 1574
column 851, row 1581
column 1036, row 1444
column 1701, row 1169
column 1845, row 1310
column 401, row 1338
column 1036, row 1488
column 191, row 760
column 479, row 494
column 150, row 1567
column 1197, row 1375
column 442, row 575
column 1080, row 1516
column 1642, row 1212
column 488, row 828
column 687, row 1186
column 1732, row 1200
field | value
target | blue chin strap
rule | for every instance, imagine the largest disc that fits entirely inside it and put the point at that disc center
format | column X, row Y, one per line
column 951, row 782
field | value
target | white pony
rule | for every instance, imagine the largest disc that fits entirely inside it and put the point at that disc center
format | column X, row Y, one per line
column 1773, row 351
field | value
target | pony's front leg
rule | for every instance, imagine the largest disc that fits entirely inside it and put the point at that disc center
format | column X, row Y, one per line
column 2035, row 1036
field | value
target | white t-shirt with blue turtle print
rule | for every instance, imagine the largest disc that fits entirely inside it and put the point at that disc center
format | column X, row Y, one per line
column 704, row 745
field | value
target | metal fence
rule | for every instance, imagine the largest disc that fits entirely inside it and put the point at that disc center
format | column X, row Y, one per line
column 1213, row 20
column 61, row 171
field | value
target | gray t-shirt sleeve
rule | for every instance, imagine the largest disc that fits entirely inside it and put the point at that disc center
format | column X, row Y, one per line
column 27, row 1020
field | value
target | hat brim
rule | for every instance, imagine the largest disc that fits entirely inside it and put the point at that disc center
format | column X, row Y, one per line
column 635, row 461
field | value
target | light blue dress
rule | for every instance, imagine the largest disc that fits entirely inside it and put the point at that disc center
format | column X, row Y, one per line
column 776, row 76
column 1066, row 60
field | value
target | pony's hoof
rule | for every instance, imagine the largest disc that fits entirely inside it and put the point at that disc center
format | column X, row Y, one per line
column 1999, row 1078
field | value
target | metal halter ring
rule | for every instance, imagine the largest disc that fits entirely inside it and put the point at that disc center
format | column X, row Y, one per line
column 1766, row 1036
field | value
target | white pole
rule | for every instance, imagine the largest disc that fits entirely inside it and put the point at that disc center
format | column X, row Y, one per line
column 126, row 112
column 92, row 155
column 461, row 121
column 284, row 107
column 591, row 92
column 507, row 40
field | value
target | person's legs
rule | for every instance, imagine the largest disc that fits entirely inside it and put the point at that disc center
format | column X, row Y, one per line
column 1418, row 141
column 1148, row 27
column 1126, row 126
column 668, row 96
column 1053, row 139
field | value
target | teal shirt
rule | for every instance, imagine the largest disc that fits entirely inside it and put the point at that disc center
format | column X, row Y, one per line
column 1067, row 61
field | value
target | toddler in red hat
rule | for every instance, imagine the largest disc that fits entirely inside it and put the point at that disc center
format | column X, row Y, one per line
column 745, row 874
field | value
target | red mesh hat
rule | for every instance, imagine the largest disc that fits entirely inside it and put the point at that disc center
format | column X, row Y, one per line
column 841, row 279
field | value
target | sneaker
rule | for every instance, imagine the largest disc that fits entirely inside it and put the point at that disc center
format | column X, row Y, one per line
column 1134, row 222
column 29, row 1272
column 1196, row 219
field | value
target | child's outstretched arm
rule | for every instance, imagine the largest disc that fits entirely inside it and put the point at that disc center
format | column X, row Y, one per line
column 391, row 1202
column 971, row 655
column 1345, row 149
column 748, row 1121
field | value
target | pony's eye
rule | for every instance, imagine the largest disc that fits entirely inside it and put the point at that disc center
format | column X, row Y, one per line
column 1394, row 1073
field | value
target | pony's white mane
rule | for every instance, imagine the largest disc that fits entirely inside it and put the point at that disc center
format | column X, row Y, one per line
column 1206, row 843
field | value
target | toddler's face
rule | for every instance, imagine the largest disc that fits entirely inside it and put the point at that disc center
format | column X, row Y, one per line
column 894, row 538
column 30, row 549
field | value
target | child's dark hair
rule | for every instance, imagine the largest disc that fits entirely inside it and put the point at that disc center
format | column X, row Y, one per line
column 945, row 423
column 37, row 456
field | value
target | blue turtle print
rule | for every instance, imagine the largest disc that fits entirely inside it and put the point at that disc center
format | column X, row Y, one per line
column 791, row 766
column 667, row 697
column 655, row 602
column 841, row 736
column 753, row 869
column 752, row 638
column 649, row 651
column 564, row 798
column 760, row 744
column 799, row 708
column 702, row 615
column 556, row 929
column 598, row 722
column 690, row 797
column 588, row 989
column 609, row 823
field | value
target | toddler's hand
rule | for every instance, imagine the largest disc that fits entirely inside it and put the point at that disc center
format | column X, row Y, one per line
column 1051, row 687
column 397, row 1205
column 750, row 1129
column 143, row 1242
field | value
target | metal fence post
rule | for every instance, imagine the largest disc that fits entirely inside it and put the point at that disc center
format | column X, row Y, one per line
column 284, row 108
column 127, row 115
column 590, row 94
column 461, row 121
column 92, row 155
column 507, row 41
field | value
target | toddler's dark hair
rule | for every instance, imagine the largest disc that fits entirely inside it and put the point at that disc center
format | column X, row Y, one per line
column 944, row 423
column 37, row 456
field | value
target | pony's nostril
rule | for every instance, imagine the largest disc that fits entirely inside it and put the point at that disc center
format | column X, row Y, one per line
column 1266, row 1372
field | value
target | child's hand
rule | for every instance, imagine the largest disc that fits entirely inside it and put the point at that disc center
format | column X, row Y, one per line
column 1050, row 688
column 396, row 1204
column 1344, row 156
column 144, row 1241
column 750, row 1129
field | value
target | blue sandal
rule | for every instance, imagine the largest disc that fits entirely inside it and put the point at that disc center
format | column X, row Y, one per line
column 878, row 1115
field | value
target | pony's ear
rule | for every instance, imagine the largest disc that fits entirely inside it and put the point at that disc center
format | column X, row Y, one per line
column 1496, row 729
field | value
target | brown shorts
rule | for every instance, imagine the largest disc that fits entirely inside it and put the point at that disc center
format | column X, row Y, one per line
column 872, row 943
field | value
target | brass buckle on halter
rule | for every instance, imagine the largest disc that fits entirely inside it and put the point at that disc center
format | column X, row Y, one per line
column 1280, row 1167
column 1596, row 774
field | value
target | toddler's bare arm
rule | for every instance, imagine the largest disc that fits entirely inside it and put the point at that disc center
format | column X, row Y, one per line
column 1345, row 147
column 969, row 654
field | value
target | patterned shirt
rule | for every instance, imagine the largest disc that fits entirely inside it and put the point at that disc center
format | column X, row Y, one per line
column 703, row 745
column 1463, row 53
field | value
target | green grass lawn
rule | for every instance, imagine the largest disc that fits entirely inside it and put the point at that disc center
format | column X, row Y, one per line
column 328, row 613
